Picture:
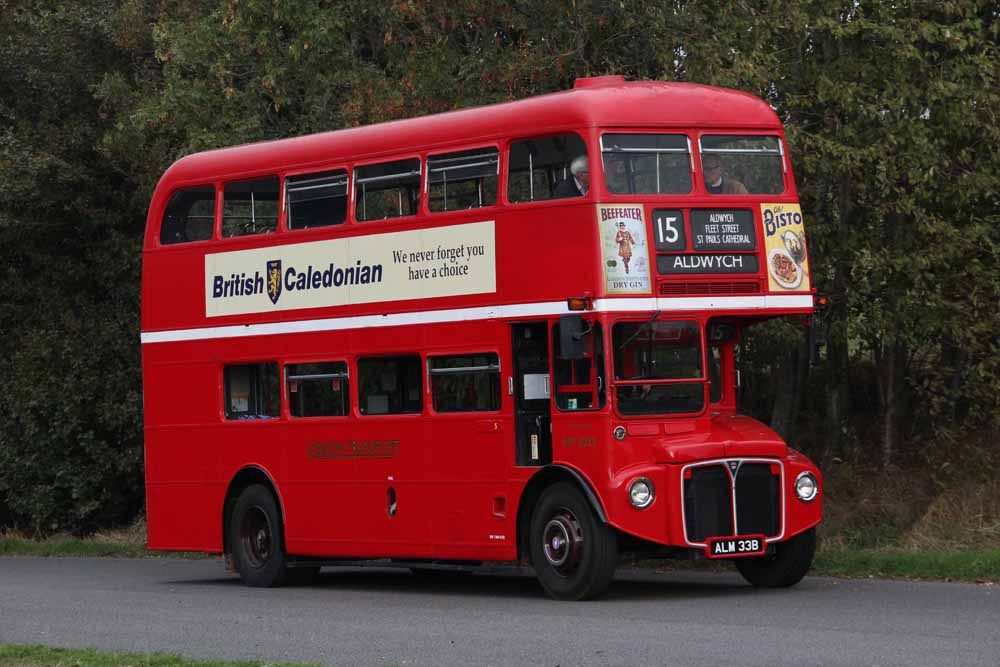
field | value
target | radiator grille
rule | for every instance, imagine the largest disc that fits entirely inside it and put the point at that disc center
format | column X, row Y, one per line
column 708, row 501
column 708, row 509
column 705, row 288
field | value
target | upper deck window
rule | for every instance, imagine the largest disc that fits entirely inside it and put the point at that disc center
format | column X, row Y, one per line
column 467, row 179
column 647, row 163
column 190, row 216
column 540, row 168
column 316, row 200
column 387, row 190
column 739, row 165
column 250, row 207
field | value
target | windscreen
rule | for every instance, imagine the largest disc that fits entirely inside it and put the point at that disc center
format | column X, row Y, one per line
column 663, row 355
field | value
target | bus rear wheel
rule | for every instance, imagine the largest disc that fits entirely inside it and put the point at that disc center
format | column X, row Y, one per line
column 786, row 567
column 573, row 553
column 257, row 539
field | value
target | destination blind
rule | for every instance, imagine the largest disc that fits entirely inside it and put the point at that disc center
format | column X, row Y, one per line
column 703, row 263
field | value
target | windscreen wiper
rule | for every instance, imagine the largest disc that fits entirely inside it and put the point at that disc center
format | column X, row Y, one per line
column 639, row 330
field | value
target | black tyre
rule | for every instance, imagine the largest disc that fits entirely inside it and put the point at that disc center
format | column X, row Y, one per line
column 574, row 554
column 786, row 567
column 257, row 539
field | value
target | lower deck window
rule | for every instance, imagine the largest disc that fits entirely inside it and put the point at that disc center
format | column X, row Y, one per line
column 251, row 391
column 318, row 389
column 465, row 383
column 389, row 385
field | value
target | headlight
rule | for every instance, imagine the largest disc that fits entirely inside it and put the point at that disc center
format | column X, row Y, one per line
column 641, row 493
column 806, row 486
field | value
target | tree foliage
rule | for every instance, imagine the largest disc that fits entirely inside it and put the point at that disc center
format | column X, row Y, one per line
column 890, row 109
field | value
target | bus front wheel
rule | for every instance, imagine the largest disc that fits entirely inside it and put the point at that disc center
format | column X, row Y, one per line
column 785, row 567
column 257, row 539
column 574, row 555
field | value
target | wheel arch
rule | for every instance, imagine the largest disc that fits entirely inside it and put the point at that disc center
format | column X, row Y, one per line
column 246, row 477
column 541, row 480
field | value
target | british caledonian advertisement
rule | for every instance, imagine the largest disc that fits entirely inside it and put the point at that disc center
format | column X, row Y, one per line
column 624, row 249
column 785, row 245
column 419, row 264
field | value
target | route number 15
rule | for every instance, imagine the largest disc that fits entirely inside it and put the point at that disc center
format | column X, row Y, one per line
column 669, row 229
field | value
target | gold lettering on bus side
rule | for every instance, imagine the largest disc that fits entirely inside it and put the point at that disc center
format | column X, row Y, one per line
column 583, row 441
column 352, row 449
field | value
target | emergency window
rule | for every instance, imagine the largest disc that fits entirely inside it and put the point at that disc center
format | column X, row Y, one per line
column 646, row 163
column 190, row 216
column 465, row 383
column 467, row 179
column 540, row 168
column 318, row 389
column 251, row 391
column 250, row 207
column 389, row 386
column 387, row 190
column 316, row 200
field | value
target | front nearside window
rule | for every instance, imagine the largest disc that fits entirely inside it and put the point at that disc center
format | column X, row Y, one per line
column 190, row 216
column 658, row 366
column 387, row 190
column 646, row 163
column 553, row 167
column 740, row 165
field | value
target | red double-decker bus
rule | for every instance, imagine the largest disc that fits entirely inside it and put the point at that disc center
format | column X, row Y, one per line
column 495, row 334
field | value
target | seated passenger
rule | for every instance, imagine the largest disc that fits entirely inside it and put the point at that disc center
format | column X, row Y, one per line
column 716, row 181
column 579, row 181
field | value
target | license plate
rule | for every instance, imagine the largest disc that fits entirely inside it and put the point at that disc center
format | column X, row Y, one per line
column 735, row 547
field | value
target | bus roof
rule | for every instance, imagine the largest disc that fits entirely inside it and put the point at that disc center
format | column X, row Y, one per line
column 607, row 101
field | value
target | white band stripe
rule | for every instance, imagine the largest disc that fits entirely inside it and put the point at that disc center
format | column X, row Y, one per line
column 480, row 313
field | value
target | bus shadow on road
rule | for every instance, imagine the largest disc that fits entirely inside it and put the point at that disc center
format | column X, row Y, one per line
column 514, row 582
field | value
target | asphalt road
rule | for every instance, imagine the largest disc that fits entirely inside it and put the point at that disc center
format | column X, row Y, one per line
column 384, row 617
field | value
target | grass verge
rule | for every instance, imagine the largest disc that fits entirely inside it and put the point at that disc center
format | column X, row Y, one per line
column 69, row 546
column 974, row 565
column 14, row 655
